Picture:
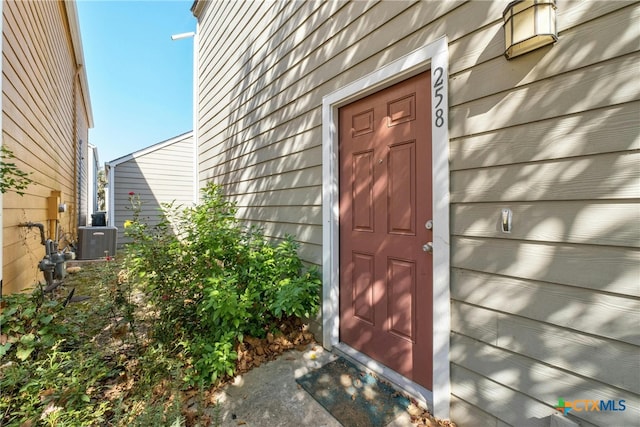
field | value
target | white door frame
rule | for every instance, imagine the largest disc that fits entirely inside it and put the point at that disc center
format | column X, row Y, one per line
column 433, row 56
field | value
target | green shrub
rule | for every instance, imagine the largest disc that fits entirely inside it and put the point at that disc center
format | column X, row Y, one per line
column 212, row 281
column 28, row 327
column 46, row 372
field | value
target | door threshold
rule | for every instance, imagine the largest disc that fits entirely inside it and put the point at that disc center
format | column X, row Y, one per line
column 423, row 396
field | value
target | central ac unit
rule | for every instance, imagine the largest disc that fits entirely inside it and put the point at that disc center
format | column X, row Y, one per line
column 96, row 242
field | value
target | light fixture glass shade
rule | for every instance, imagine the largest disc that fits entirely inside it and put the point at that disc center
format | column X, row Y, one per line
column 529, row 25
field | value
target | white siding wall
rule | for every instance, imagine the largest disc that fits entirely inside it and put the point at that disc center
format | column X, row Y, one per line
column 161, row 175
column 548, row 311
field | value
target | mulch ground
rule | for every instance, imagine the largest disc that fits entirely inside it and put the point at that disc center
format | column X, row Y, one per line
column 252, row 353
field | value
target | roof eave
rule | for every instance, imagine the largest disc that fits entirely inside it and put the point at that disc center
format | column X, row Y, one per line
column 149, row 149
column 197, row 7
column 76, row 40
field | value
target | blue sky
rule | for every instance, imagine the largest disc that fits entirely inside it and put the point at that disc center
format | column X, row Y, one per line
column 140, row 81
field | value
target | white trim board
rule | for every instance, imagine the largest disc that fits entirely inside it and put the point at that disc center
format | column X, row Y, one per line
column 435, row 57
column 71, row 10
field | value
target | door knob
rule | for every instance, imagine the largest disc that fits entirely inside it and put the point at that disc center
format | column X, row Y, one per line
column 428, row 247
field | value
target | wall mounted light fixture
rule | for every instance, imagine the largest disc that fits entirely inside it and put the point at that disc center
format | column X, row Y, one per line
column 529, row 25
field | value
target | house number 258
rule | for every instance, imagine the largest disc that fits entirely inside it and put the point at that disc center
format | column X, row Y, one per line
column 438, row 85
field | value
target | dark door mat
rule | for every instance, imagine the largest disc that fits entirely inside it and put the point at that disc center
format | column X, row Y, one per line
column 354, row 397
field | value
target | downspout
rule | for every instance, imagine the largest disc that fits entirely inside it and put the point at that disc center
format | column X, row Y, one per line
column 196, row 9
column 194, row 131
column 111, row 189
column 76, row 175
column 196, row 112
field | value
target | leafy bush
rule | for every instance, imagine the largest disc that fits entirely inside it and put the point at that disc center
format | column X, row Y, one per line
column 12, row 177
column 27, row 326
column 207, row 286
column 213, row 282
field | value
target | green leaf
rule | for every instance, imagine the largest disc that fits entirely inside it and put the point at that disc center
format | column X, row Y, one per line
column 27, row 339
column 9, row 312
column 46, row 319
column 4, row 348
column 23, row 353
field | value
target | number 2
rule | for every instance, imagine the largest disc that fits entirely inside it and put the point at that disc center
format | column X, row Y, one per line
column 437, row 86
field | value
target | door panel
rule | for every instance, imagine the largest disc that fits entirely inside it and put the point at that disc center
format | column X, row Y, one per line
column 385, row 200
column 363, row 273
column 362, row 192
column 401, row 287
column 401, row 200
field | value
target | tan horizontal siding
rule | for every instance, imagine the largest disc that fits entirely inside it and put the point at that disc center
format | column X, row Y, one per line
column 299, row 232
column 544, row 384
column 587, row 222
column 552, row 135
column 260, row 83
column 224, row 22
column 33, row 50
column 156, row 173
column 596, row 313
column 305, row 180
column 285, row 214
column 164, row 155
column 604, row 176
column 255, row 60
column 26, row 274
column 176, row 168
column 42, row 126
column 605, row 268
column 486, row 43
column 292, row 162
column 271, row 150
column 32, row 122
column 309, row 97
column 23, row 241
column 479, row 81
column 571, row 349
column 296, row 128
column 591, row 88
column 285, row 197
column 603, row 130
column 325, row 63
column 163, row 175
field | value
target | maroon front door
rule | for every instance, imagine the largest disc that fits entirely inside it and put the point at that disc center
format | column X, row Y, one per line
column 385, row 201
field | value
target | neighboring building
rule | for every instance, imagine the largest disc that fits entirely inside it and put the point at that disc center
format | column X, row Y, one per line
column 161, row 173
column 46, row 114
column 317, row 118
